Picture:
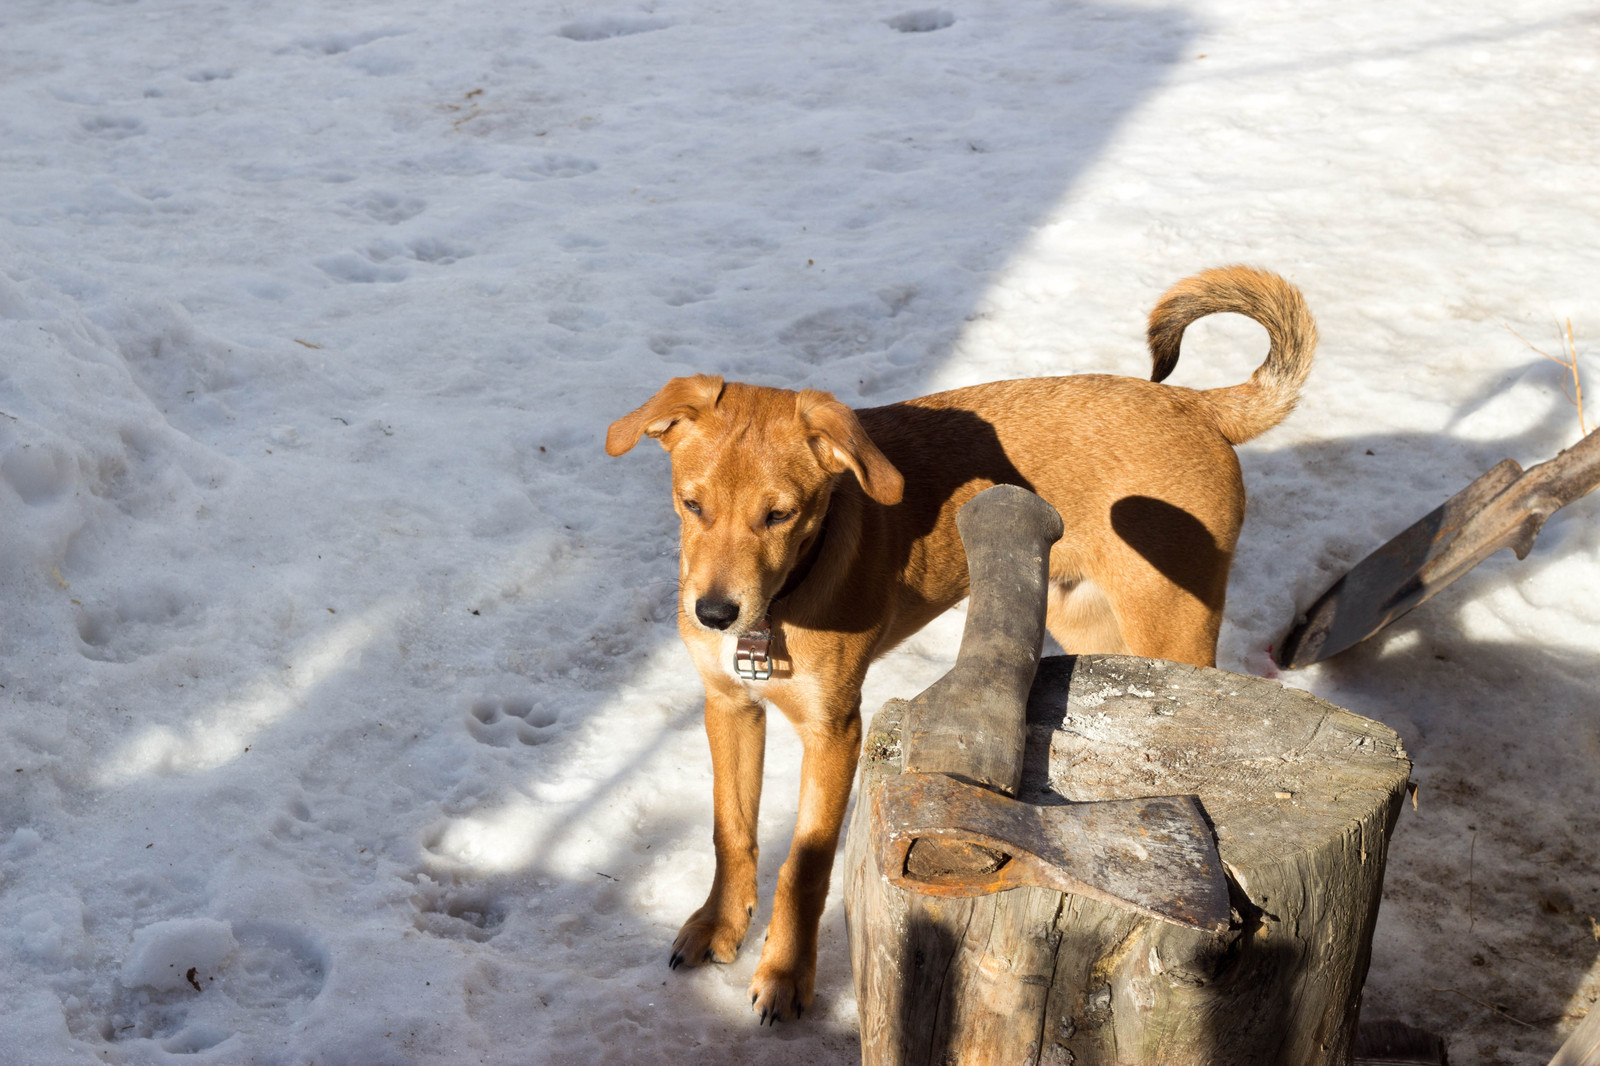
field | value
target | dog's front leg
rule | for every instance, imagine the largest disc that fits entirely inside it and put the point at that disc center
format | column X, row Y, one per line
column 737, row 729
column 786, row 976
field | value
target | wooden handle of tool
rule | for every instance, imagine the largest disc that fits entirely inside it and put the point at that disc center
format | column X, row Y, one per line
column 971, row 723
column 1569, row 476
column 1514, row 518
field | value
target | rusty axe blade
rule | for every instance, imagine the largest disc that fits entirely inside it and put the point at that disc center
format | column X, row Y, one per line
column 1505, row 508
column 1156, row 855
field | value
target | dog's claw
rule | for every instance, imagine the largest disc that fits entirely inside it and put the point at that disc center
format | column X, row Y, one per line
column 708, row 937
column 780, row 999
column 675, row 960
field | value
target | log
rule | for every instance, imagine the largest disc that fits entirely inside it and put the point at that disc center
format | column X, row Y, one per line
column 1583, row 1046
column 1302, row 795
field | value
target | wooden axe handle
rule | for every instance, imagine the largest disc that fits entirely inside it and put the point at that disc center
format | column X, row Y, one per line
column 972, row 723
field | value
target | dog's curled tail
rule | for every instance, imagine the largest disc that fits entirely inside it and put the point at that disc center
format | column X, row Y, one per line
column 1247, row 410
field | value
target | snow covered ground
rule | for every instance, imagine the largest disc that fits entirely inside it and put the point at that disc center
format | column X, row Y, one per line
column 338, row 673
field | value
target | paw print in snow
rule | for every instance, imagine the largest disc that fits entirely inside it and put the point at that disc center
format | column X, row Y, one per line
column 38, row 473
column 602, row 29
column 500, row 722
column 135, row 623
column 925, row 21
column 389, row 208
column 113, row 127
column 334, row 44
column 436, row 250
column 188, row 984
column 458, row 913
column 551, row 165
column 359, row 270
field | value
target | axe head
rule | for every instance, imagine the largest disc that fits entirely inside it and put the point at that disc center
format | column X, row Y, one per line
column 940, row 836
column 1413, row 565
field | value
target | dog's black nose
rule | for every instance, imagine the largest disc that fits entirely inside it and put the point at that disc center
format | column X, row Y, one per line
column 716, row 614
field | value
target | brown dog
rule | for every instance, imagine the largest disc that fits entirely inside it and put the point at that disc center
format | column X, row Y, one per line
column 824, row 537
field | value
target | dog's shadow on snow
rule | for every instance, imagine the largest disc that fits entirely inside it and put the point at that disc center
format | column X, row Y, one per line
column 1495, row 863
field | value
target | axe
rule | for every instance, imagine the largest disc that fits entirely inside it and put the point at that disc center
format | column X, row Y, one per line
column 950, row 823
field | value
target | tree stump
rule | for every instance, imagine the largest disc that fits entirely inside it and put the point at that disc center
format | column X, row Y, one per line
column 1583, row 1046
column 1302, row 796
column 1106, row 859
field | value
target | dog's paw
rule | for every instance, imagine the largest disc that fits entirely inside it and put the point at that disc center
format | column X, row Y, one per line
column 710, row 937
column 781, row 995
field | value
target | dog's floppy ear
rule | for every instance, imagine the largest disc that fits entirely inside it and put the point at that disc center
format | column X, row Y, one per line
column 841, row 444
column 681, row 399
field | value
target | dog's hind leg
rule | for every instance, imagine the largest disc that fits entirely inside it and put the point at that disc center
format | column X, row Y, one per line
column 1165, row 570
column 1162, row 620
column 1080, row 617
column 737, row 729
column 1185, row 631
column 1157, row 619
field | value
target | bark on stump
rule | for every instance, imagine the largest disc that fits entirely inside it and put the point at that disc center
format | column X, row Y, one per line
column 1302, row 795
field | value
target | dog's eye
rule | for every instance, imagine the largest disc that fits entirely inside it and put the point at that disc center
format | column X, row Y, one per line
column 778, row 518
column 692, row 506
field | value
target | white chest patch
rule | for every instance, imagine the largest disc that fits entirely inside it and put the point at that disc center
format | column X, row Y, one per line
column 725, row 649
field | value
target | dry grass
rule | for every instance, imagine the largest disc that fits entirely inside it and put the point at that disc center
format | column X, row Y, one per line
column 1568, row 359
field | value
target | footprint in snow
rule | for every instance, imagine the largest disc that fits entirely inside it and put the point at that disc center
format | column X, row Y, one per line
column 39, row 473
column 459, row 913
column 502, row 722
column 136, row 623
column 579, row 242
column 552, row 165
column 381, row 65
column 680, row 292
column 185, row 983
column 296, row 824
column 576, row 318
column 924, row 21
column 334, row 44
column 664, row 344
column 390, row 208
column 324, row 845
column 359, row 270
column 838, row 333
column 112, row 127
column 605, row 28
column 423, row 249
column 436, row 250
column 277, row 963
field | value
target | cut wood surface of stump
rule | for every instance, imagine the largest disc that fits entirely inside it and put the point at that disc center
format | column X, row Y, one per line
column 1302, row 796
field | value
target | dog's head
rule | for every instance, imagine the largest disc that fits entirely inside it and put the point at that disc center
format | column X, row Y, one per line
column 753, row 471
